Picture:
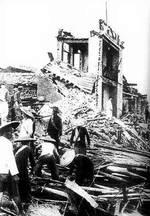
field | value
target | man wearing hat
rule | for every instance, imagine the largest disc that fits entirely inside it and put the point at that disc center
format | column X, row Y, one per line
column 81, row 168
column 15, row 104
column 49, row 156
column 26, row 129
column 8, row 168
column 55, row 126
column 23, row 155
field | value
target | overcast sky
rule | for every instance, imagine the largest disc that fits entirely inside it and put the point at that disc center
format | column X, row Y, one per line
column 28, row 30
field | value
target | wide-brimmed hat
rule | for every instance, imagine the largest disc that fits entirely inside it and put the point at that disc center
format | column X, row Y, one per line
column 67, row 157
column 24, row 139
column 27, row 112
column 12, row 124
column 47, row 139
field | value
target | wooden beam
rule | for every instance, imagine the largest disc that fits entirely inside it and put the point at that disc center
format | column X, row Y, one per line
column 77, row 41
column 108, row 81
column 131, row 84
column 126, row 93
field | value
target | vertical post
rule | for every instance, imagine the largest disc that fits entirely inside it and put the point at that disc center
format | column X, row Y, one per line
column 119, row 87
column 95, row 66
column 71, row 55
column 59, row 50
column 106, row 12
column 136, row 104
column 99, row 75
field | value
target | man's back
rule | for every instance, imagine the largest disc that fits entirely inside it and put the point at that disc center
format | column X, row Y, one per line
column 79, row 136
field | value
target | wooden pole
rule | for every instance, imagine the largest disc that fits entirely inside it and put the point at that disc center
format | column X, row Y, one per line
column 106, row 12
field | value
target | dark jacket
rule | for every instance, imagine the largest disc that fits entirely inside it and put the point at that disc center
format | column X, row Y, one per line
column 82, row 170
column 55, row 127
column 80, row 140
column 22, row 156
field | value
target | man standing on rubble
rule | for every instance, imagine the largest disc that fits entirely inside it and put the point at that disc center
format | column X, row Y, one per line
column 24, row 154
column 17, row 102
column 26, row 127
column 8, row 168
column 80, row 137
column 54, row 129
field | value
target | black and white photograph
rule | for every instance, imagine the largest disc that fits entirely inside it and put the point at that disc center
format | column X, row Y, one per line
column 74, row 108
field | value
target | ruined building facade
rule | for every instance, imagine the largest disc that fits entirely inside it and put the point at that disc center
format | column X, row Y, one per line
column 98, row 56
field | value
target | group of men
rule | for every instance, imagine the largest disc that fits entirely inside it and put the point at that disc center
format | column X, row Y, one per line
column 17, row 151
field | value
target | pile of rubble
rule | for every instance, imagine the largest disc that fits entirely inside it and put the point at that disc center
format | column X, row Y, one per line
column 110, row 132
column 119, row 152
column 126, row 132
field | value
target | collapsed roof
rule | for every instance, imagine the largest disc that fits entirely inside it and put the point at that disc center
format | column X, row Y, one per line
column 69, row 75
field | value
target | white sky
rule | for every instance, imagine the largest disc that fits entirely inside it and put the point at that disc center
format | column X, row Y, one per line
column 28, row 30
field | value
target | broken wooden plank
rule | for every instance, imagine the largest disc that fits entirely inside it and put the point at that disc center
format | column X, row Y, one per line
column 54, row 191
column 78, row 190
column 146, row 154
column 119, row 179
column 129, row 195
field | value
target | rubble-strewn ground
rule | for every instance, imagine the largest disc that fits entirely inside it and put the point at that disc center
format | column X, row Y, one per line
column 119, row 150
column 43, row 210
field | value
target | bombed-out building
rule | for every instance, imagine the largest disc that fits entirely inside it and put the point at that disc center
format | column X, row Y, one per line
column 98, row 56
column 92, row 64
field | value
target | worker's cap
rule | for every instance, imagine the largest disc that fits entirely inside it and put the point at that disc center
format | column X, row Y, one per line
column 67, row 157
column 56, row 109
column 24, row 139
column 27, row 112
column 47, row 139
column 12, row 124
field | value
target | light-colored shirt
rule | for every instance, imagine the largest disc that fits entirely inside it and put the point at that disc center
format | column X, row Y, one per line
column 3, row 93
column 48, row 148
column 26, row 129
column 7, row 159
